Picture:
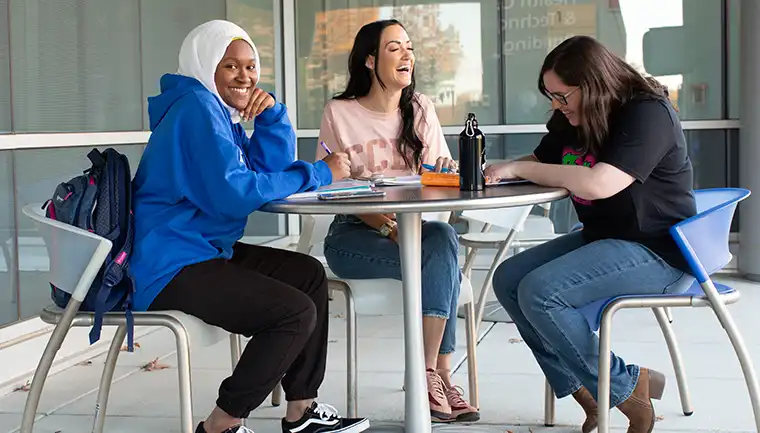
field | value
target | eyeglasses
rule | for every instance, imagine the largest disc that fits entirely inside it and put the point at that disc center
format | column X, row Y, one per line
column 562, row 98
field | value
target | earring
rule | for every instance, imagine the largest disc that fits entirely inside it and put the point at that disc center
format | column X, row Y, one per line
column 368, row 65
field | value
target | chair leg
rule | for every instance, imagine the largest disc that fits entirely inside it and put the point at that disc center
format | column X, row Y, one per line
column 101, row 405
column 235, row 349
column 277, row 395
column 184, row 375
column 549, row 405
column 469, row 261
column 481, row 305
column 720, row 310
column 603, row 394
column 472, row 364
column 669, row 314
column 43, row 368
column 676, row 359
column 352, row 374
column 236, row 344
column 352, row 379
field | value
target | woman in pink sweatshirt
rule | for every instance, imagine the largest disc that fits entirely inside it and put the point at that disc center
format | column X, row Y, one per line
column 386, row 128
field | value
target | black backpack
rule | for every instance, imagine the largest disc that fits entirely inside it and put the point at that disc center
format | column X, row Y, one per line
column 100, row 201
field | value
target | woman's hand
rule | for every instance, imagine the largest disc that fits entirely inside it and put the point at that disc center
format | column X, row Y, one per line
column 502, row 170
column 394, row 234
column 260, row 101
column 446, row 163
column 339, row 165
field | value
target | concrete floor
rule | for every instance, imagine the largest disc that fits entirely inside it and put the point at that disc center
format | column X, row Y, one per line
column 511, row 384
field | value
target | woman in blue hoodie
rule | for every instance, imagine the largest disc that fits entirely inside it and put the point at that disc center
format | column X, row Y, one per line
column 198, row 180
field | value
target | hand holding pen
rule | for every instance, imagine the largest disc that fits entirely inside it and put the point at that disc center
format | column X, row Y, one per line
column 442, row 165
column 339, row 164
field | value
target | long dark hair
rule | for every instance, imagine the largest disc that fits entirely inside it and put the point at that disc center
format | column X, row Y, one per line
column 606, row 83
column 367, row 43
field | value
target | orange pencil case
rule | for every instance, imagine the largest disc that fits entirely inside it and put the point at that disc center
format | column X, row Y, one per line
column 430, row 178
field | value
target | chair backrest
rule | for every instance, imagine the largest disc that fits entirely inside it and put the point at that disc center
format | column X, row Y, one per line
column 512, row 218
column 703, row 238
column 75, row 255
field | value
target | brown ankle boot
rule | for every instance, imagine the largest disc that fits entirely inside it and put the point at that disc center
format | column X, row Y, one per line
column 587, row 402
column 638, row 408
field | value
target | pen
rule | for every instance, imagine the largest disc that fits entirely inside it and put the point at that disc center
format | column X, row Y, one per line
column 324, row 146
column 432, row 167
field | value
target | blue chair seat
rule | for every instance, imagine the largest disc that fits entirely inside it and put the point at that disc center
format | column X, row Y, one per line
column 593, row 311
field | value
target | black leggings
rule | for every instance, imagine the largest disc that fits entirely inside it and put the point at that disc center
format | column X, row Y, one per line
column 279, row 298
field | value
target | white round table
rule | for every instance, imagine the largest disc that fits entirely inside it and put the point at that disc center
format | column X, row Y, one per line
column 409, row 202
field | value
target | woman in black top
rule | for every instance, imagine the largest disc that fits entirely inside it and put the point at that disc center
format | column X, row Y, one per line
column 615, row 142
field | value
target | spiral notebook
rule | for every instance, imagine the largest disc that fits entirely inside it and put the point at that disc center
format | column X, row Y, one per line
column 339, row 186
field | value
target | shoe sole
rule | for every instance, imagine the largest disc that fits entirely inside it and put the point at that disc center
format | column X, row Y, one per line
column 356, row 428
column 441, row 417
column 468, row 417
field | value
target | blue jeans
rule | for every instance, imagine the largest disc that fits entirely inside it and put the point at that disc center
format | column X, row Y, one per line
column 356, row 251
column 541, row 289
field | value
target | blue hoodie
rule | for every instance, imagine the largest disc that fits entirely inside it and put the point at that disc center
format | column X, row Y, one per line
column 200, row 177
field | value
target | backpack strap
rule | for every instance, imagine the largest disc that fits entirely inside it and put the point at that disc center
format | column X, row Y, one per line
column 117, row 263
column 114, row 273
column 96, row 158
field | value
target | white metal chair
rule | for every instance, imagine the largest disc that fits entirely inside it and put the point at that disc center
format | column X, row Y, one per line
column 522, row 231
column 704, row 242
column 375, row 297
column 76, row 256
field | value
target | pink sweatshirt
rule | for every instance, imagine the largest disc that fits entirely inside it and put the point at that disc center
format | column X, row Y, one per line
column 370, row 137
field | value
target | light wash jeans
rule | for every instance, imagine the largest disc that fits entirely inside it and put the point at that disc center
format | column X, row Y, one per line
column 356, row 251
column 542, row 287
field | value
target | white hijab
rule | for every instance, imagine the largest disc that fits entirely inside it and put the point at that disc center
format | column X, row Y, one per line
column 204, row 48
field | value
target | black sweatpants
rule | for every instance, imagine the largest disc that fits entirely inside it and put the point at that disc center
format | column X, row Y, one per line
column 277, row 297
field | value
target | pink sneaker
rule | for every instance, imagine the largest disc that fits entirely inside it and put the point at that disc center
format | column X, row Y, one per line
column 461, row 410
column 440, row 410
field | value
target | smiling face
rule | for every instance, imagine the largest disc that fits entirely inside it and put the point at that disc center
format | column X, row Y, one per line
column 565, row 98
column 395, row 62
column 237, row 74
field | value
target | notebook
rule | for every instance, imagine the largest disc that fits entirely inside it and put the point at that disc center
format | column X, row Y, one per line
column 507, row 182
column 341, row 185
column 398, row 181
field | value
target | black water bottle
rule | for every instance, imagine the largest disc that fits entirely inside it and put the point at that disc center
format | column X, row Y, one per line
column 472, row 156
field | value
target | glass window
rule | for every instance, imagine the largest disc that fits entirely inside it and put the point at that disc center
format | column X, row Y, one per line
column 75, row 66
column 164, row 25
column 38, row 172
column 734, row 67
column 307, row 149
column 5, row 69
column 455, row 44
column 8, row 292
column 501, row 146
column 257, row 18
column 677, row 41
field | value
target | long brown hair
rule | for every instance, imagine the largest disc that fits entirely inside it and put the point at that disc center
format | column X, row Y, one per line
column 605, row 80
column 367, row 43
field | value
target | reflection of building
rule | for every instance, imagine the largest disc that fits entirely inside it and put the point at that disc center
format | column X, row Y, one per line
column 571, row 19
column 258, row 23
column 532, row 29
column 437, row 50
column 327, row 63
